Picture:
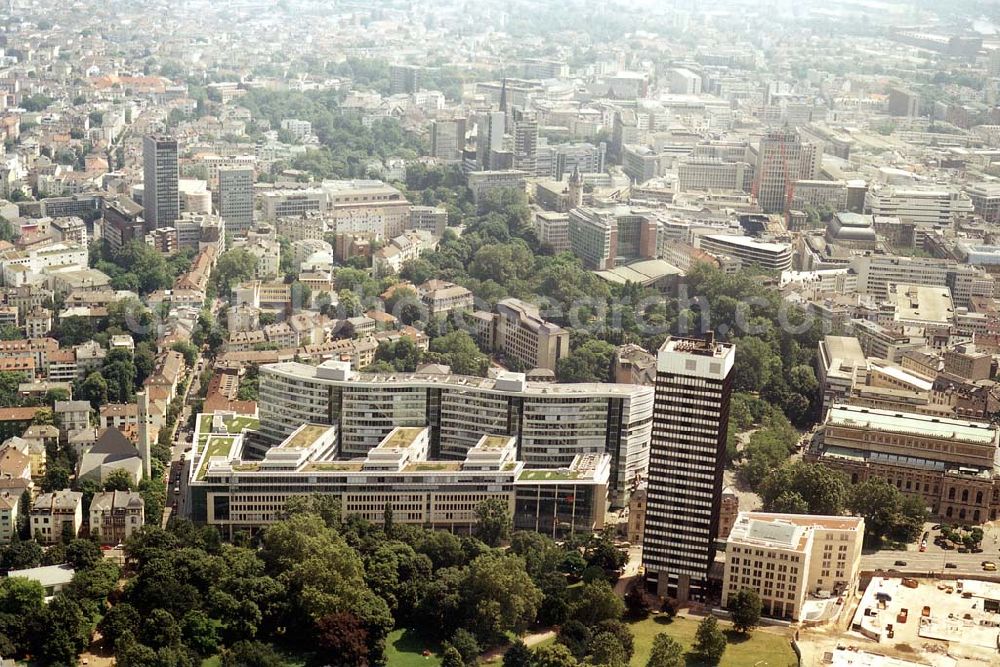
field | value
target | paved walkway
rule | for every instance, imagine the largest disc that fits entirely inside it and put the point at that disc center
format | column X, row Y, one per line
column 529, row 640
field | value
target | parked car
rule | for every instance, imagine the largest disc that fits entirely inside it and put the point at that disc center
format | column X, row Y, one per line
column 901, row 563
column 951, row 566
column 990, row 566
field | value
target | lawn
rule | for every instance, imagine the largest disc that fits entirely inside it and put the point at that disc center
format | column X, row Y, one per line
column 217, row 446
column 773, row 649
column 237, row 424
column 404, row 648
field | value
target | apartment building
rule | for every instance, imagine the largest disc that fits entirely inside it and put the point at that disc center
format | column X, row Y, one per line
column 553, row 422
column 115, row 515
column 949, row 463
column 684, row 493
column 399, row 472
column 789, row 557
column 54, row 513
column 10, row 504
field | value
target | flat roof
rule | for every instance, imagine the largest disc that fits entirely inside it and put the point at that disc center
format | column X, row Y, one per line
column 401, row 437
column 300, row 370
column 912, row 423
column 305, row 436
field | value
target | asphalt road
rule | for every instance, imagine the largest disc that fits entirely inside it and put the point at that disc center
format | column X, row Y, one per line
column 922, row 563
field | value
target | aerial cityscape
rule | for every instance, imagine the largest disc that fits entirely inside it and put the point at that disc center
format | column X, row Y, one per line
column 658, row 333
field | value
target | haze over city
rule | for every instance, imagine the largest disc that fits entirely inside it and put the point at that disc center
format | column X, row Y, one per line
column 525, row 333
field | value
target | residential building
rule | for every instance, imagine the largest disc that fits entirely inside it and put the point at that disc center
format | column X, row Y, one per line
column 115, row 515
column 161, row 196
column 73, row 415
column 553, row 422
column 903, row 103
column 10, row 505
column 687, row 451
column 404, row 79
column 55, row 514
column 788, row 558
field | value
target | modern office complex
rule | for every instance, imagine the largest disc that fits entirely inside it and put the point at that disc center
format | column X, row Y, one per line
column 949, row 463
column 925, row 207
column 160, row 198
column 787, row 557
column 690, row 422
column 232, row 492
column 771, row 256
column 706, row 173
column 236, row 200
column 448, row 139
column 604, row 238
column 876, row 273
column 782, row 160
column 518, row 331
column 553, row 423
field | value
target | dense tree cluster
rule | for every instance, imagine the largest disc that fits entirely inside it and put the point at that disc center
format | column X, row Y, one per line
column 139, row 267
column 53, row 633
column 348, row 145
column 319, row 587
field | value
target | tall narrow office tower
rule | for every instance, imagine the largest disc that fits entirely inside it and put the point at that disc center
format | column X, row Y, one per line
column 525, row 141
column 690, row 419
column 489, row 138
column 778, row 166
column 160, row 198
column 236, row 200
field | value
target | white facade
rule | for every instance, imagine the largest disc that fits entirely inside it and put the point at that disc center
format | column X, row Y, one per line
column 555, row 422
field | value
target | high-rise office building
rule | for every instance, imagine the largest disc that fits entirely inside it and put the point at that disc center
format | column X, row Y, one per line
column 236, row 200
column 448, row 139
column 525, row 141
column 690, row 420
column 782, row 160
column 404, row 79
column 489, row 138
column 160, row 199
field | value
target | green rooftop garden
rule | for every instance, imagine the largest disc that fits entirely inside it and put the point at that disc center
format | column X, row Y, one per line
column 305, row 437
column 236, row 424
column 553, row 475
column 401, row 437
column 217, row 446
